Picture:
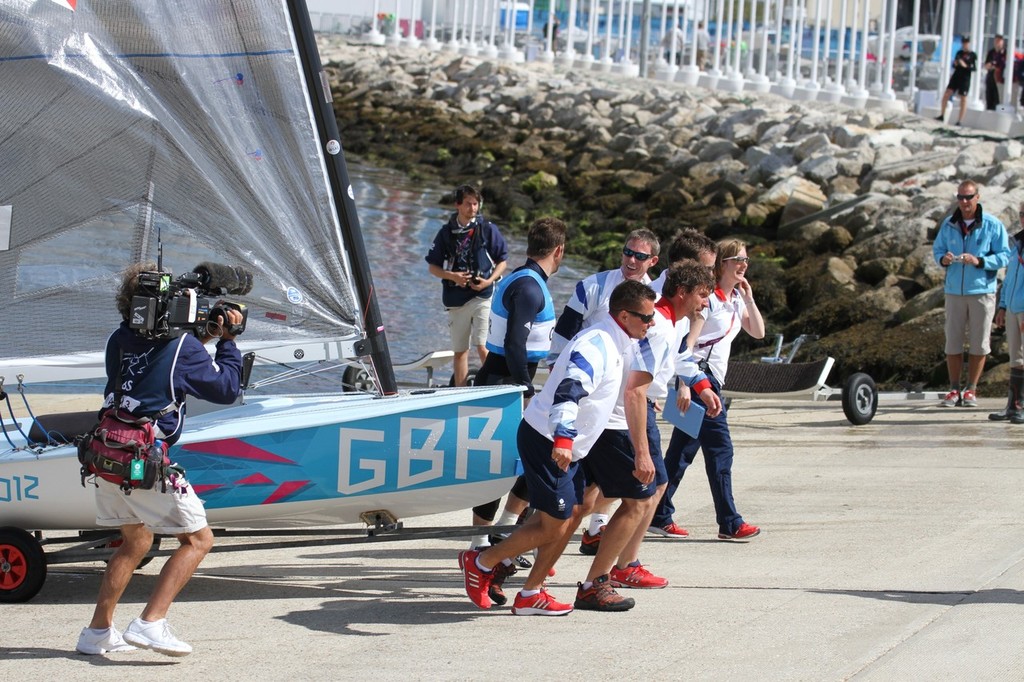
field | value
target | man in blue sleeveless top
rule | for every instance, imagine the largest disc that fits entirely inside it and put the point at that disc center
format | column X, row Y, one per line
column 521, row 322
column 155, row 375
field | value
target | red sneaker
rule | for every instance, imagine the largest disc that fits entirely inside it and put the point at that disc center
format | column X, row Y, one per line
column 672, row 530
column 636, row 576
column 477, row 581
column 542, row 604
column 590, row 543
column 744, row 532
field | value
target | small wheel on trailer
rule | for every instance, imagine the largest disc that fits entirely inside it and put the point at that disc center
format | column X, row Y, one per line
column 860, row 399
column 470, row 379
column 22, row 565
column 357, row 380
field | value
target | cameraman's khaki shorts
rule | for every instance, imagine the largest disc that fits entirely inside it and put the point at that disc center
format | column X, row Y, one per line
column 170, row 513
column 468, row 324
column 969, row 319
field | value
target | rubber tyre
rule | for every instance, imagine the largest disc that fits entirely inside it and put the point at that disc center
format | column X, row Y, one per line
column 470, row 379
column 357, row 380
column 860, row 399
column 22, row 565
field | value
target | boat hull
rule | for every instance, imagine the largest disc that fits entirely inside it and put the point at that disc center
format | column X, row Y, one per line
column 306, row 460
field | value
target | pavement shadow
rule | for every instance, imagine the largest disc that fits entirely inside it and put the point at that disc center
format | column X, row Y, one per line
column 998, row 595
column 359, row 616
column 14, row 653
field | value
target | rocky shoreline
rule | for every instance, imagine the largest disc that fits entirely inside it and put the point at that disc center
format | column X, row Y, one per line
column 838, row 205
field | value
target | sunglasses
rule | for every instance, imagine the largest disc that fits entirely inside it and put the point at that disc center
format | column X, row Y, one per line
column 639, row 255
column 965, row 197
column 739, row 259
column 646, row 319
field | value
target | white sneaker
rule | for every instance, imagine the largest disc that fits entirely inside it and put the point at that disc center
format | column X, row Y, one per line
column 156, row 636
column 94, row 642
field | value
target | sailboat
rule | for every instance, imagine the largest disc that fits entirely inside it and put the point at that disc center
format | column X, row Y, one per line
column 207, row 126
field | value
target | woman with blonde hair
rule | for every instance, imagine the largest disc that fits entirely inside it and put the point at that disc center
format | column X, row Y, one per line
column 731, row 309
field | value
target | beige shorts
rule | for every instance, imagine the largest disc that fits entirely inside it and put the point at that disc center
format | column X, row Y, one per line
column 969, row 320
column 169, row 513
column 468, row 324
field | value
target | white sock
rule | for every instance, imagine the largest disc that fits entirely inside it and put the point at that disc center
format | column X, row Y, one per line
column 507, row 518
column 479, row 541
column 587, row 585
column 596, row 521
column 528, row 593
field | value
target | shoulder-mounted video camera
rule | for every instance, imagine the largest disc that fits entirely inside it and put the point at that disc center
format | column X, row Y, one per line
column 166, row 308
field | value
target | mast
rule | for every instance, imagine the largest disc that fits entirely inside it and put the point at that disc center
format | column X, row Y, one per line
column 376, row 345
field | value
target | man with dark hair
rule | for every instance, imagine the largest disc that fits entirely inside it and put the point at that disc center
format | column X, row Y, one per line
column 150, row 377
column 995, row 65
column 689, row 244
column 522, row 317
column 965, row 63
column 469, row 255
column 587, row 304
column 626, row 461
column 580, row 393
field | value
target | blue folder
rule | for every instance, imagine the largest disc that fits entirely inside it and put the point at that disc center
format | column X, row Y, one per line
column 688, row 422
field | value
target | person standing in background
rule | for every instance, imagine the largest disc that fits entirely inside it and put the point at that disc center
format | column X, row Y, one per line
column 995, row 66
column 1011, row 315
column 972, row 246
column 468, row 255
column 965, row 63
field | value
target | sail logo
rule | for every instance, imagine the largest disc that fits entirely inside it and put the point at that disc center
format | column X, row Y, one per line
column 424, row 452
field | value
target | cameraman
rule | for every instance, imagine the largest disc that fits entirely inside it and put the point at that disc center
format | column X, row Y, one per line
column 155, row 376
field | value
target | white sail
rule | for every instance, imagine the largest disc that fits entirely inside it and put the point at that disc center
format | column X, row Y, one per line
column 184, row 118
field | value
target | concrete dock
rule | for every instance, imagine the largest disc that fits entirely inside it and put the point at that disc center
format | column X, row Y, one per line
column 891, row 551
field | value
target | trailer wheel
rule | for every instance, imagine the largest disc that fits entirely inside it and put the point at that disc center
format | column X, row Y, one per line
column 357, row 380
column 860, row 399
column 22, row 566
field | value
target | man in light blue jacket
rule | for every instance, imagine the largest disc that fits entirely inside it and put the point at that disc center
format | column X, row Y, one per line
column 972, row 245
column 1011, row 314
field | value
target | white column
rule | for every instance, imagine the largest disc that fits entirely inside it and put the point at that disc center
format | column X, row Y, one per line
column 912, row 83
column 549, row 40
column 410, row 38
column 606, row 56
column 976, row 97
column 795, row 70
column 851, row 83
column 826, row 60
column 470, row 48
column 841, row 46
column 876, row 89
column 432, row 43
column 667, row 69
column 568, row 56
column 588, row 58
column 716, row 60
column 890, row 56
column 375, row 37
column 784, row 83
column 509, row 52
column 453, row 40
column 492, row 9
column 862, row 78
column 395, row 38
column 947, row 48
column 810, row 87
column 690, row 73
column 1009, row 75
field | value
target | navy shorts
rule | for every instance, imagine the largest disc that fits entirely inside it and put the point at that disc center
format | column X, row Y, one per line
column 552, row 491
column 611, row 461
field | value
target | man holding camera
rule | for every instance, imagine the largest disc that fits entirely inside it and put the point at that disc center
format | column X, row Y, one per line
column 149, row 376
column 972, row 246
column 468, row 255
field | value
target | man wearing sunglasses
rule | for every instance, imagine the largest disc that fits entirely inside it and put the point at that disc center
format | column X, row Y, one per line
column 972, row 246
column 590, row 297
column 559, row 427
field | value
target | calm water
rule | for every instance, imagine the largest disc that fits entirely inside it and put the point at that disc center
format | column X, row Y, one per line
column 399, row 219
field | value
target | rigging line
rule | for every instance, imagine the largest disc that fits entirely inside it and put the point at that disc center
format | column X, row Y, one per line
column 3, row 396
column 10, row 408
column 49, row 439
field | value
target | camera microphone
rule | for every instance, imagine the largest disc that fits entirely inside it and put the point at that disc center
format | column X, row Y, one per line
column 230, row 279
